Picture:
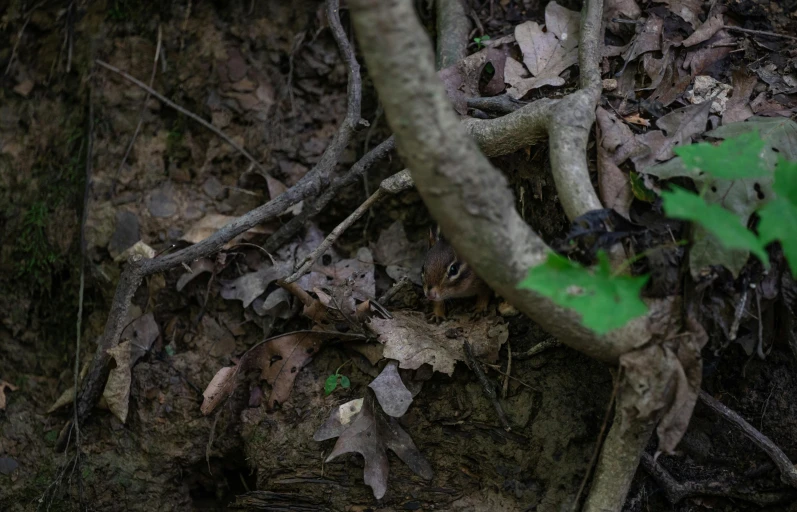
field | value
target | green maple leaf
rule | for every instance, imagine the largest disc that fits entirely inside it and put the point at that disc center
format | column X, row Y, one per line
column 732, row 159
column 779, row 217
column 723, row 224
column 604, row 301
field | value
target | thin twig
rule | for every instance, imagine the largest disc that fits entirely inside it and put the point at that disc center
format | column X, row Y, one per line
column 293, row 226
column 311, row 258
column 19, row 36
column 487, row 386
column 505, row 389
column 140, row 112
column 185, row 112
column 759, row 32
column 498, row 370
column 538, row 348
column 788, row 473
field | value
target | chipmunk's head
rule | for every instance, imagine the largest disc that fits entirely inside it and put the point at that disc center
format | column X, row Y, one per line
column 444, row 275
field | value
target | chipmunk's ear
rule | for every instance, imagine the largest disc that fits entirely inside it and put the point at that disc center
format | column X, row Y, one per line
column 434, row 235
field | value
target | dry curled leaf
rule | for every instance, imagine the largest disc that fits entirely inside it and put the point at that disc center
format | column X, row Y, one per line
column 361, row 430
column 663, row 381
column 279, row 360
column 411, row 340
column 400, row 257
column 137, row 338
column 3, row 386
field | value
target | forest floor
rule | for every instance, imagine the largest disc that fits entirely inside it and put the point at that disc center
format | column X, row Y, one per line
column 269, row 76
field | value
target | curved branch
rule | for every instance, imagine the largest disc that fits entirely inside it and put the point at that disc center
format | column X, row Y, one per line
column 467, row 196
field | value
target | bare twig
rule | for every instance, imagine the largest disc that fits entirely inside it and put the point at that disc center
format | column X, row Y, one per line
column 788, row 472
column 487, row 386
column 677, row 491
column 538, row 349
column 19, row 35
column 311, row 258
column 759, row 32
column 290, row 228
column 505, row 387
column 140, row 112
column 185, row 112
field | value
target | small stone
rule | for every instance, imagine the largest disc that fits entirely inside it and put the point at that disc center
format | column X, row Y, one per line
column 126, row 232
column 162, row 204
column 213, row 188
column 610, row 84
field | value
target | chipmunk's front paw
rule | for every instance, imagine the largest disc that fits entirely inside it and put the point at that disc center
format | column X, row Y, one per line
column 438, row 313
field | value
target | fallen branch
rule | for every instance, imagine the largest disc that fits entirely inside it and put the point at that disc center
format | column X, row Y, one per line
column 677, row 491
column 788, row 472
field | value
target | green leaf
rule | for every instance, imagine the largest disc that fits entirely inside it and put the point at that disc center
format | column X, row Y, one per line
column 724, row 225
column 330, row 384
column 344, row 382
column 639, row 189
column 779, row 217
column 604, row 301
column 732, row 159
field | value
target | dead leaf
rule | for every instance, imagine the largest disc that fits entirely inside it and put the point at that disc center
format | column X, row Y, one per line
column 705, row 31
column 664, row 380
column 279, row 360
column 213, row 222
column 738, row 105
column 461, row 80
column 250, row 286
column 648, row 39
column 411, row 340
column 3, row 386
column 137, row 338
column 197, row 267
column 213, row 339
column 715, row 49
column 390, row 391
column 637, row 120
column 400, row 257
column 219, row 388
column 613, row 184
column 689, row 10
column 117, row 389
column 677, row 128
column 546, row 54
column 360, row 430
column 622, row 9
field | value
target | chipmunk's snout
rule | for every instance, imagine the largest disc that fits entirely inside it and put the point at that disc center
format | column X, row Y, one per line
column 432, row 293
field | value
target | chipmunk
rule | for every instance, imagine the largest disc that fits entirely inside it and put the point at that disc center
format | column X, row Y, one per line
column 445, row 276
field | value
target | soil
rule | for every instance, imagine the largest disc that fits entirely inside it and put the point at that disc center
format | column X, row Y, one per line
column 268, row 74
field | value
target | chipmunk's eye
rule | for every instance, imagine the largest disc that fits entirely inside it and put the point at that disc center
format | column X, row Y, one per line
column 453, row 270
